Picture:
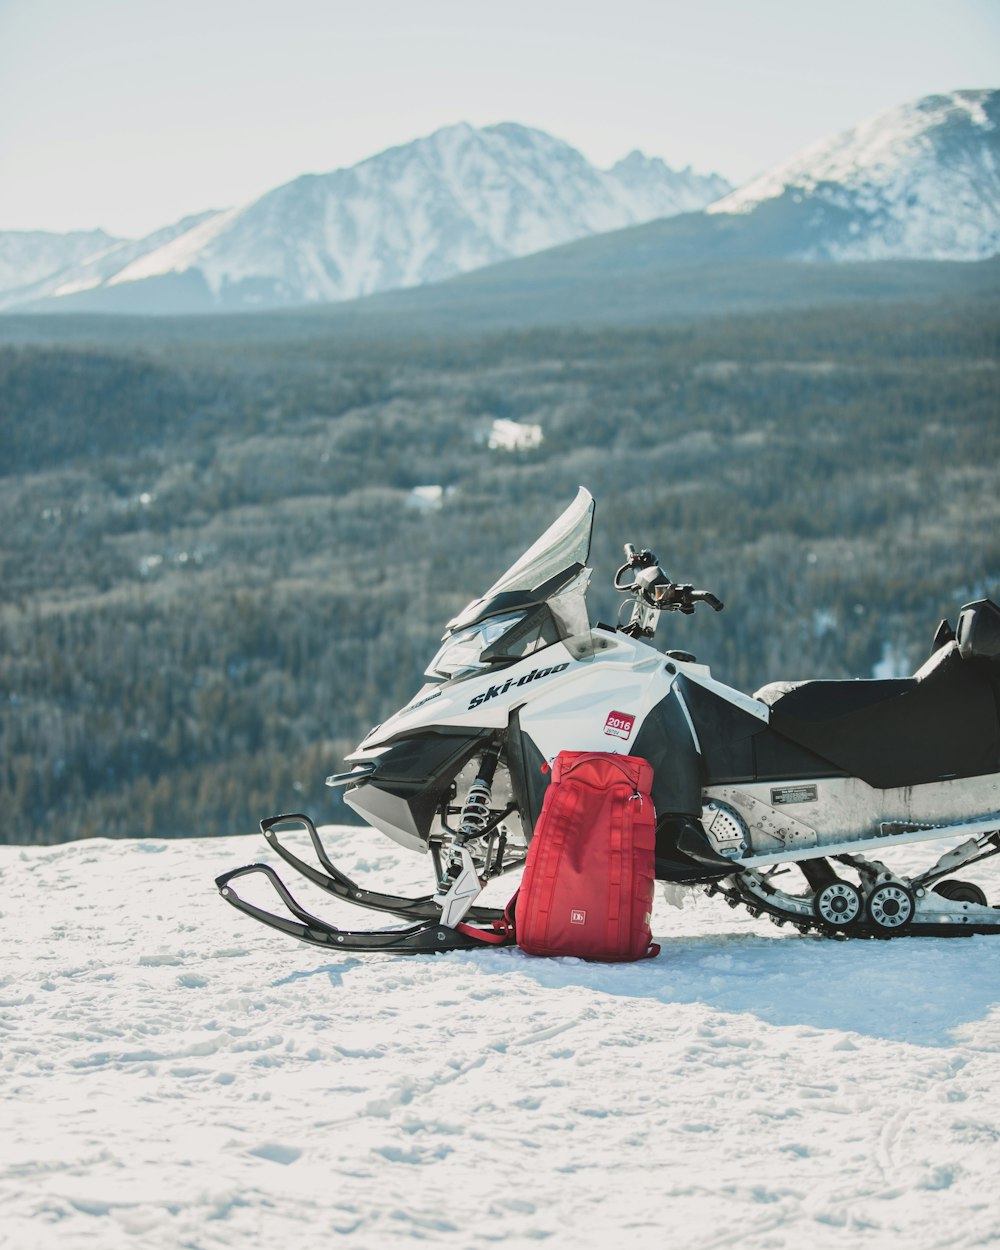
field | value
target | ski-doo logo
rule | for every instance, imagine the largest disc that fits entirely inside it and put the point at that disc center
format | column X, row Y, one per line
column 619, row 724
column 536, row 674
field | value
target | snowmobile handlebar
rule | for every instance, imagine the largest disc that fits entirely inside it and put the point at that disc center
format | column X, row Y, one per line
column 650, row 584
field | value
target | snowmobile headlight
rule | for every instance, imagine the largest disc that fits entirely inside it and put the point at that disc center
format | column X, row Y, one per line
column 462, row 651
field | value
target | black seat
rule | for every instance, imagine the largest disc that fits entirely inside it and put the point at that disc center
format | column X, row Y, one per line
column 825, row 700
column 941, row 723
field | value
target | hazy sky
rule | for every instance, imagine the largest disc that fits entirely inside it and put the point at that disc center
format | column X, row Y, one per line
column 129, row 114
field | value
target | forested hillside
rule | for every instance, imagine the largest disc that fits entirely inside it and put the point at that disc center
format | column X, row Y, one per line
column 217, row 574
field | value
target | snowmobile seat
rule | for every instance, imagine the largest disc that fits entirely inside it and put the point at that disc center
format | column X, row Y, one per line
column 824, row 700
column 941, row 723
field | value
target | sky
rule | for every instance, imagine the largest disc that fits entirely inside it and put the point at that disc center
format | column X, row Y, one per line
column 130, row 114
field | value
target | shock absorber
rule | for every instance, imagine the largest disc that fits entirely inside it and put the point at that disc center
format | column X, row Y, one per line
column 461, row 882
column 475, row 815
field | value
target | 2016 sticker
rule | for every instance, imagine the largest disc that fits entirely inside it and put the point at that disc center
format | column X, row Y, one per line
column 619, row 725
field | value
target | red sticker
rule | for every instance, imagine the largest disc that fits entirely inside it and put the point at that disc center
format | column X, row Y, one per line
column 619, row 724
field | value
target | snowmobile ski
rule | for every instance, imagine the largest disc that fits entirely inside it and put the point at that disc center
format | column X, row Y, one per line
column 419, row 939
column 337, row 883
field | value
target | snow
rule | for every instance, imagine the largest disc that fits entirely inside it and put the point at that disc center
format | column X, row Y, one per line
column 29, row 256
column 174, row 1075
column 426, row 498
column 177, row 255
column 894, row 661
column 507, row 435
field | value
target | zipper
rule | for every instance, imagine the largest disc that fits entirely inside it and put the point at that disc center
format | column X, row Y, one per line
column 611, row 759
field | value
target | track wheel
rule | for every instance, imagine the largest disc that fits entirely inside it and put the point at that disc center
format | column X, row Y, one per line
column 960, row 892
column 890, row 908
column 838, row 904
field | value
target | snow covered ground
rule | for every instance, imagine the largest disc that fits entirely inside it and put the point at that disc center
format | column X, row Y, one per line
column 174, row 1075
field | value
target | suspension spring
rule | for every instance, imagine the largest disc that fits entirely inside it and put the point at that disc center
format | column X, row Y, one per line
column 476, row 810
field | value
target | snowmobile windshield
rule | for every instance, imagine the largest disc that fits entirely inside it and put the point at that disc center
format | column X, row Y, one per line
column 538, row 601
column 561, row 552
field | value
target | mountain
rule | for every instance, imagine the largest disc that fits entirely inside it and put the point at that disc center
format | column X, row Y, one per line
column 920, row 181
column 509, row 224
column 914, row 193
column 29, row 256
column 457, row 200
column 35, row 265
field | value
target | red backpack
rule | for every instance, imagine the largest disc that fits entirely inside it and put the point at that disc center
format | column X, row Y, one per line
column 587, row 888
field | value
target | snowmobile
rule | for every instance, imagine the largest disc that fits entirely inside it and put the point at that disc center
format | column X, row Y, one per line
column 782, row 802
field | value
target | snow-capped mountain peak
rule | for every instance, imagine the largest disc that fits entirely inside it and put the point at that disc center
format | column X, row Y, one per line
column 454, row 200
column 918, row 180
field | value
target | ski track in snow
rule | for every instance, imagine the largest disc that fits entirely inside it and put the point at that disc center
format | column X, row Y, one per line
column 174, row 1075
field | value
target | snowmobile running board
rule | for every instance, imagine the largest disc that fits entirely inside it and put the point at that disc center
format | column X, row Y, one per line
column 418, row 939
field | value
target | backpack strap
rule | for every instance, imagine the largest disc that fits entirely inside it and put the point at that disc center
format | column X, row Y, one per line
column 502, row 933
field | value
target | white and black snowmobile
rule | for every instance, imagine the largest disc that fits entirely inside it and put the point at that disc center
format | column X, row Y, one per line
column 825, row 776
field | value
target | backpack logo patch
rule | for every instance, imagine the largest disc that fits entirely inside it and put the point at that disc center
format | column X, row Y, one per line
column 576, row 916
column 619, row 724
